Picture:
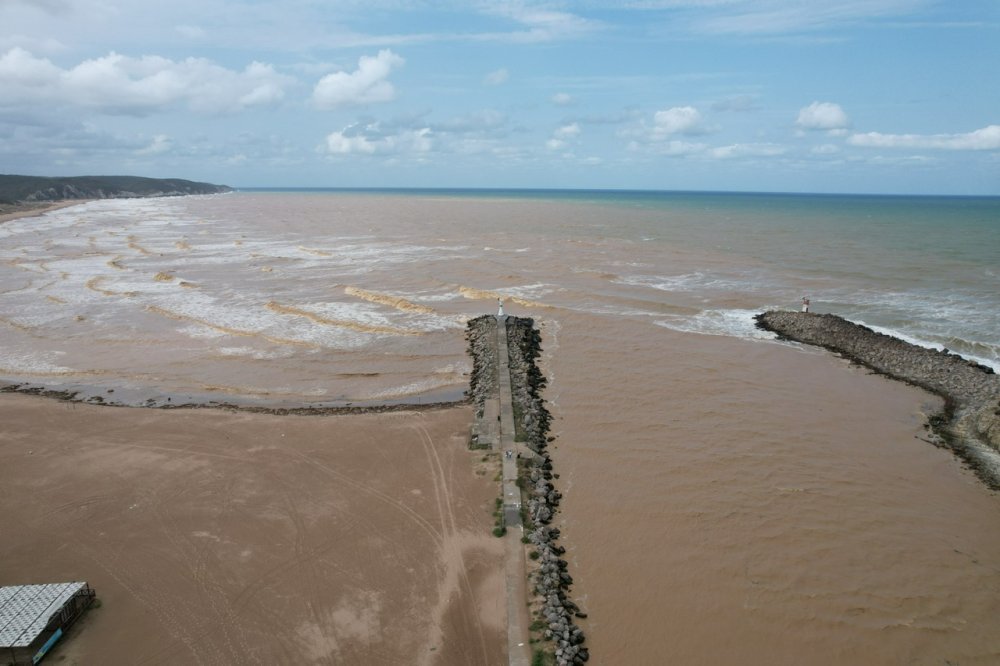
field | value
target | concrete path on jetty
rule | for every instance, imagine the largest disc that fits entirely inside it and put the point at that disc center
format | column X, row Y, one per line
column 518, row 646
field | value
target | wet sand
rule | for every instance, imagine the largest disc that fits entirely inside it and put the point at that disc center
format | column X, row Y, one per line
column 16, row 211
column 231, row 538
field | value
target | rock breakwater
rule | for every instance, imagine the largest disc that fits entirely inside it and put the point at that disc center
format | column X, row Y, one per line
column 554, row 610
column 970, row 421
column 552, row 579
column 481, row 334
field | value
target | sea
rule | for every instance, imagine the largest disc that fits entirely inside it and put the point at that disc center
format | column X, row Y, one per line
column 729, row 498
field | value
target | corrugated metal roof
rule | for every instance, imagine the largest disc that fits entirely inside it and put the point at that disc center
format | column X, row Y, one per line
column 26, row 609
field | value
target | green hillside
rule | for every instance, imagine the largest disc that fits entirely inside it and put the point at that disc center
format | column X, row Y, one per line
column 21, row 189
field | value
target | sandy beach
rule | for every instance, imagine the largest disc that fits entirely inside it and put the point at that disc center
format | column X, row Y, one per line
column 229, row 538
column 16, row 211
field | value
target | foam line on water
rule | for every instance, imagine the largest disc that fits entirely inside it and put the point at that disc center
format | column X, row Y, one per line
column 474, row 294
column 178, row 316
column 339, row 323
column 920, row 342
column 736, row 323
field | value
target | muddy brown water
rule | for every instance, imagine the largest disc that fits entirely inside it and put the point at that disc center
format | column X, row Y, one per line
column 727, row 499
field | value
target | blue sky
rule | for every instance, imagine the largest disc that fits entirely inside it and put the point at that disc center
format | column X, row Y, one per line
column 894, row 96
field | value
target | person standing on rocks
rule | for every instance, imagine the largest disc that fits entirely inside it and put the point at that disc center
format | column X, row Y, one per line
column 500, row 303
column 805, row 304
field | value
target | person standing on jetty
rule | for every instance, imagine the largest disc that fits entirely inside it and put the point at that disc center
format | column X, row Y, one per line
column 500, row 310
column 805, row 304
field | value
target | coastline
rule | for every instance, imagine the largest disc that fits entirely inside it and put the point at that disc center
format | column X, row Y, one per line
column 70, row 396
column 10, row 212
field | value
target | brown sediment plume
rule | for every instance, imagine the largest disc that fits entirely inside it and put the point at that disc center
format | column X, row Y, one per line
column 132, row 243
column 182, row 245
column 339, row 323
column 116, row 263
column 55, row 299
column 387, row 299
column 163, row 277
column 970, row 422
column 93, row 284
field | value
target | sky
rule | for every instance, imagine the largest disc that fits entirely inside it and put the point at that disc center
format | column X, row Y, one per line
column 855, row 96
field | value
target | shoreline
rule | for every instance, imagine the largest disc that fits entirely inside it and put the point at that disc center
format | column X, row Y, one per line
column 17, row 211
column 73, row 397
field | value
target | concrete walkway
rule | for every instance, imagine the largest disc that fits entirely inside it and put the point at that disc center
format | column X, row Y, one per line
column 518, row 647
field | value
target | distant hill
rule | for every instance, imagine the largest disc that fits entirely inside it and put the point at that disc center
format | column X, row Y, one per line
column 23, row 189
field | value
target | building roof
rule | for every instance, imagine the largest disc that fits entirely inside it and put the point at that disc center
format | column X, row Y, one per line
column 25, row 610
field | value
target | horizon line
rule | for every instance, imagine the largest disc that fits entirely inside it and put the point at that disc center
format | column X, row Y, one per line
column 583, row 190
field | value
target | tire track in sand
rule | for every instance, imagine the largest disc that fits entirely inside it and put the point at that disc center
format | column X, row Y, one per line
column 451, row 549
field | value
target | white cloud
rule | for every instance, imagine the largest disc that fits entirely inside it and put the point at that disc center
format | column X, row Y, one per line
column 137, row 86
column 32, row 44
column 485, row 121
column 678, row 120
column 825, row 149
column 371, row 140
column 159, row 145
column 738, row 150
column 987, row 138
column 367, row 84
column 790, row 16
column 736, row 103
column 338, row 143
column 191, row 31
column 540, row 25
column 822, row 116
column 48, row 6
column 562, row 99
column 569, row 131
column 562, row 136
column 497, row 77
column 680, row 148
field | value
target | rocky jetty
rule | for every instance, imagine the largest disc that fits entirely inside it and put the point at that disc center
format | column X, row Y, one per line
column 552, row 579
column 555, row 610
column 481, row 334
column 970, row 422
